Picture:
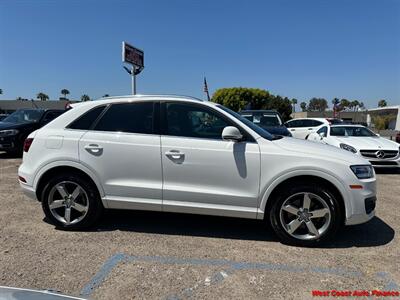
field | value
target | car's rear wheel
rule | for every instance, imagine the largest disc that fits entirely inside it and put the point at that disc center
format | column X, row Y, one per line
column 305, row 215
column 71, row 202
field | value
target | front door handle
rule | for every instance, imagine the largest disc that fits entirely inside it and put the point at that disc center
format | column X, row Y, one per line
column 175, row 154
column 310, row 129
column 94, row 149
column 292, row 129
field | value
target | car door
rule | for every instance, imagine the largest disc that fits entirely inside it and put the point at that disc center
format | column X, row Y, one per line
column 297, row 128
column 320, row 135
column 123, row 150
column 201, row 172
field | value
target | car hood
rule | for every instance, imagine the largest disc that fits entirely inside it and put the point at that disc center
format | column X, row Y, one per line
column 319, row 150
column 277, row 130
column 8, row 125
column 368, row 143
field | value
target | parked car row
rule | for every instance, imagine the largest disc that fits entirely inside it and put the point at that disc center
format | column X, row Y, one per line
column 357, row 139
column 14, row 128
column 180, row 154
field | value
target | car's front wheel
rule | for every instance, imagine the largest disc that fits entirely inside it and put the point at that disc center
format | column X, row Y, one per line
column 71, row 201
column 305, row 215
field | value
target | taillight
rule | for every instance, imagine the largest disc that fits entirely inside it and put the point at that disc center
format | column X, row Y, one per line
column 27, row 144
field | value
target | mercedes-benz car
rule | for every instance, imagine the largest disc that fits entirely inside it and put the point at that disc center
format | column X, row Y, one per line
column 360, row 140
column 180, row 154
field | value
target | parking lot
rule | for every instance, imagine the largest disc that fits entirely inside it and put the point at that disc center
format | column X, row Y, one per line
column 169, row 256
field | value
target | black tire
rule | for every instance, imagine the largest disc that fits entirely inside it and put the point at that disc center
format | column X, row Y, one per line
column 336, row 214
column 92, row 198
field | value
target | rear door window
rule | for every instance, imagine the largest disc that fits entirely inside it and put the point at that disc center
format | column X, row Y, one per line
column 128, row 117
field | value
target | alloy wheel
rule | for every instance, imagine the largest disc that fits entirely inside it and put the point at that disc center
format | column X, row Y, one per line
column 305, row 216
column 68, row 202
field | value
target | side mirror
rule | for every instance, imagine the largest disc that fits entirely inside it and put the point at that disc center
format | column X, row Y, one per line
column 322, row 135
column 231, row 133
column 377, row 134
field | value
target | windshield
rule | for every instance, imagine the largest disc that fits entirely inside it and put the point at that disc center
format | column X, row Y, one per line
column 25, row 116
column 264, row 120
column 351, row 131
column 262, row 132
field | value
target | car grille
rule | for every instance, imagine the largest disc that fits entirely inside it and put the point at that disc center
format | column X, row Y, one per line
column 383, row 163
column 379, row 153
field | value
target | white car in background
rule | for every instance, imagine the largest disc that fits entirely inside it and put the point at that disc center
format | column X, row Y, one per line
column 301, row 128
column 360, row 140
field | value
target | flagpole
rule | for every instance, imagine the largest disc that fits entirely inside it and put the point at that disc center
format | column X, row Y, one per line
column 206, row 89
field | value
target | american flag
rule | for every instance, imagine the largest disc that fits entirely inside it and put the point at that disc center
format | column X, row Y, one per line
column 206, row 89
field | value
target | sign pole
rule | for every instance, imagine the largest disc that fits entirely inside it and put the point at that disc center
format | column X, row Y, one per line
column 133, row 80
column 134, row 57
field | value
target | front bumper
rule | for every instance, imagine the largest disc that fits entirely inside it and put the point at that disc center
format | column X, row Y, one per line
column 9, row 143
column 363, row 203
column 385, row 163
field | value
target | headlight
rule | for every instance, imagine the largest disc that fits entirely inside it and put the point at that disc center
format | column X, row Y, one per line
column 348, row 148
column 8, row 132
column 363, row 171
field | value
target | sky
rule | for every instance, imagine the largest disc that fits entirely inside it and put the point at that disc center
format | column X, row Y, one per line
column 299, row 49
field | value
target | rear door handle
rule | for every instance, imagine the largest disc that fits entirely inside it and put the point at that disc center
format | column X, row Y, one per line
column 292, row 129
column 310, row 129
column 175, row 154
column 94, row 148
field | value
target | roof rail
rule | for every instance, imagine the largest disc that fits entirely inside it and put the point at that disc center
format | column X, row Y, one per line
column 153, row 95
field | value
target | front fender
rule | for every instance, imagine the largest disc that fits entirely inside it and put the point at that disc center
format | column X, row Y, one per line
column 269, row 187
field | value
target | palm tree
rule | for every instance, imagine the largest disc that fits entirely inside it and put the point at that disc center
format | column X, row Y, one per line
column 65, row 92
column 294, row 102
column 19, row 99
column 42, row 96
column 1, row 92
column 336, row 107
column 106, row 95
column 382, row 103
column 303, row 106
column 85, row 97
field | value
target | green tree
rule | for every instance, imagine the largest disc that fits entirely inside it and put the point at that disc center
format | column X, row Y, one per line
column 317, row 104
column 85, row 97
column 42, row 96
column 106, row 95
column 382, row 103
column 238, row 98
column 19, row 99
column 344, row 104
column 65, row 92
column 1, row 92
column 303, row 106
column 294, row 102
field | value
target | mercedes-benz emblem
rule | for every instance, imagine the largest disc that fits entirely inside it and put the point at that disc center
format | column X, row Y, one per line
column 380, row 154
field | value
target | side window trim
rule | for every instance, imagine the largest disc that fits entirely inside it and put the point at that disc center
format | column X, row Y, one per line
column 107, row 107
column 163, row 121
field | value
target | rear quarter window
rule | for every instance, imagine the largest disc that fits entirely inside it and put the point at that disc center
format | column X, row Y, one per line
column 85, row 121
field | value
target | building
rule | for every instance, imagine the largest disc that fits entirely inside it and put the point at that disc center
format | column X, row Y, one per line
column 9, row 106
column 393, row 112
column 359, row 117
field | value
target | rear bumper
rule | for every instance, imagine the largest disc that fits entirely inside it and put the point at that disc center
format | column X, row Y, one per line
column 28, row 190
